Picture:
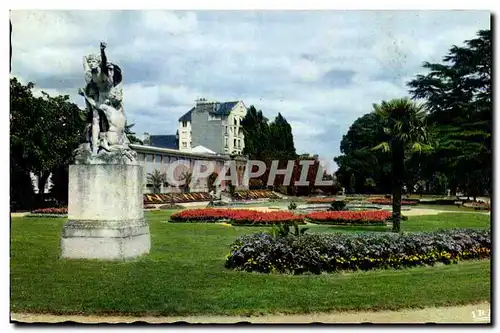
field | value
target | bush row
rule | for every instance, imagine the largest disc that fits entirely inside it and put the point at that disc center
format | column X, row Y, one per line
column 317, row 253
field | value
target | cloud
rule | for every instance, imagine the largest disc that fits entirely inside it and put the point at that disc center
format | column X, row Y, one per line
column 320, row 69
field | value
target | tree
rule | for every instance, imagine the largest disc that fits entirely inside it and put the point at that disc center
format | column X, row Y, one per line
column 131, row 135
column 44, row 132
column 358, row 162
column 187, row 176
column 457, row 94
column 406, row 130
column 156, row 179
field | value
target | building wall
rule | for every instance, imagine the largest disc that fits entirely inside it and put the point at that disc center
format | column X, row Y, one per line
column 153, row 158
column 185, row 137
column 235, row 137
column 206, row 130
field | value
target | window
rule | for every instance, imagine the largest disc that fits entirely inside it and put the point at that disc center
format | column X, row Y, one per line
column 235, row 121
column 190, row 143
column 225, row 132
column 158, row 158
column 239, row 143
column 234, row 143
column 184, row 145
column 149, row 158
column 184, row 124
column 226, row 143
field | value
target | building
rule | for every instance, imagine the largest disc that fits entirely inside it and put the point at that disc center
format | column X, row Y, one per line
column 156, row 158
column 213, row 125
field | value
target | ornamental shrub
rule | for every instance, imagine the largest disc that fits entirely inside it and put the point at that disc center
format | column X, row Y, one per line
column 318, row 253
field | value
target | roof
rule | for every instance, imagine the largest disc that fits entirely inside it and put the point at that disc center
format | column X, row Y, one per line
column 220, row 109
column 202, row 150
column 164, row 141
column 223, row 109
column 186, row 116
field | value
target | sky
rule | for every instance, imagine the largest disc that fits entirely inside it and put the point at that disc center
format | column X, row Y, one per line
column 320, row 69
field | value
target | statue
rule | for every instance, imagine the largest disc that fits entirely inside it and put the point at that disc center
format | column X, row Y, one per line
column 105, row 138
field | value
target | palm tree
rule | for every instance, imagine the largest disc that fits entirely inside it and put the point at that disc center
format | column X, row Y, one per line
column 405, row 130
column 156, row 178
column 187, row 176
column 131, row 135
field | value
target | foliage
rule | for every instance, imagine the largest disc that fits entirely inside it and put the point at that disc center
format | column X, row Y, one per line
column 457, row 93
column 317, row 253
column 211, row 181
column 283, row 230
column 368, row 217
column 156, row 179
column 131, row 135
column 338, row 205
column 405, row 130
column 187, row 177
column 44, row 132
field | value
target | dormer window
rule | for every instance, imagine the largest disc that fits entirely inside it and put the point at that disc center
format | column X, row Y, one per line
column 184, row 123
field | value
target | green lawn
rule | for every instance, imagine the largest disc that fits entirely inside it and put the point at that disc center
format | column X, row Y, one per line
column 184, row 274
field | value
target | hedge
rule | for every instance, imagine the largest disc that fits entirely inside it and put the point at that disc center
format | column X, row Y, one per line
column 318, row 253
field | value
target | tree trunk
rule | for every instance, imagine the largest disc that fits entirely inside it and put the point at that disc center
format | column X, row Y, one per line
column 397, row 175
column 42, row 181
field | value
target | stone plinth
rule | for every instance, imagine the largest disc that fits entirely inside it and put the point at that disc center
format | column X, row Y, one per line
column 105, row 213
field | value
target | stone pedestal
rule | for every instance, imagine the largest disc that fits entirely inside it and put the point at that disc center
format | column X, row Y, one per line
column 105, row 213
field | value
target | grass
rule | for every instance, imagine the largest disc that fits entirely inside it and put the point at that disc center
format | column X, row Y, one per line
column 184, row 275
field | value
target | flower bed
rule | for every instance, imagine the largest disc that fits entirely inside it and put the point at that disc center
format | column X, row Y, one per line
column 389, row 202
column 236, row 216
column 317, row 253
column 362, row 217
column 254, row 194
column 162, row 198
column 478, row 205
column 51, row 211
column 320, row 200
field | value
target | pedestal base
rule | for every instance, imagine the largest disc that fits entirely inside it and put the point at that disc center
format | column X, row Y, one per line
column 105, row 213
column 108, row 240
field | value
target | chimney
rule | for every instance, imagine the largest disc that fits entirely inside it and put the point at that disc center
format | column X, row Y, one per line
column 146, row 139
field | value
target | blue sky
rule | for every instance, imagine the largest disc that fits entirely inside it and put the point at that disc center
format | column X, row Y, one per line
column 320, row 69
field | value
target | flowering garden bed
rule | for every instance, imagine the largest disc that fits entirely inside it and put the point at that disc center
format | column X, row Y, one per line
column 254, row 194
column 49, row 212
column 236, row 216
column 366, row 217
column 478, row 205
column 162, row 198
column 389, row 202
column 320, row 200
column 317, row 253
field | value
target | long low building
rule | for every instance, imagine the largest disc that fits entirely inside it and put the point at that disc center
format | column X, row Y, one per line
column 156, row 158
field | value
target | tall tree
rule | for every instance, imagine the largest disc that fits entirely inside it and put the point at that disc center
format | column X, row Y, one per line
column 356, row 161
column 44, row 132
column 457, row 94
column 406, row 130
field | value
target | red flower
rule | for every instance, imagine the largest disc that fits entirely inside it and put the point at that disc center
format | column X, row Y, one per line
column 369, row 216
column 237, row 216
